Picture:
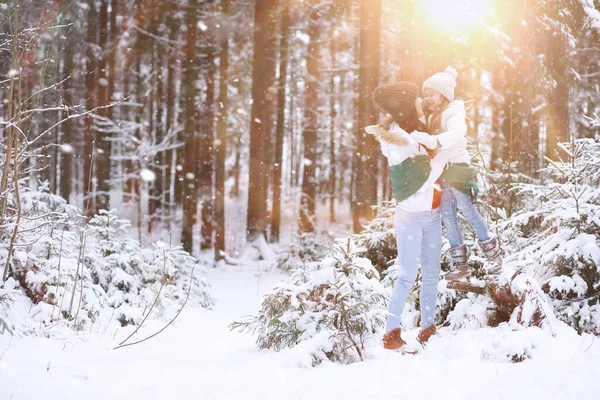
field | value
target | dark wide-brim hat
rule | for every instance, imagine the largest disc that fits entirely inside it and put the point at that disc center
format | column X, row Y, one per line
column 397, row 99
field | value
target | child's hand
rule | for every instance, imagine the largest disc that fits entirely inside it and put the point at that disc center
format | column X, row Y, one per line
column 425, row 139
column 387, row 122
column 419, row 107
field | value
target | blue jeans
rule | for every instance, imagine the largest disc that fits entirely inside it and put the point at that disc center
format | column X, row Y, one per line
column 451, row 198
column 419, row 238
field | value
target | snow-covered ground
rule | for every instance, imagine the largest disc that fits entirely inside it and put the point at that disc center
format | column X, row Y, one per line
column 200, row 358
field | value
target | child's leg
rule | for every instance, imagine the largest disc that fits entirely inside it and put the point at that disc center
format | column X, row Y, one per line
column 409, row 238
column 431, row 250
column 450, row 216
column 471, row 214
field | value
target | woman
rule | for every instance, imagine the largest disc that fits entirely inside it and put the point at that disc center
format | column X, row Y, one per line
column 417, row 219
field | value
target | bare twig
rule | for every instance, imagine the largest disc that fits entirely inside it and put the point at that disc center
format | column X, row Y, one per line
column 79, row 262
column 170, row 322
column 155, row 300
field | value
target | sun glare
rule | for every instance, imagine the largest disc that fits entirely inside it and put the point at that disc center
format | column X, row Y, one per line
column 455, row 15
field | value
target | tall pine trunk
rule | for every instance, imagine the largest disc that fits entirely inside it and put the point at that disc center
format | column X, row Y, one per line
column 66, row 155
column 332, row 129
column 90, row 95
column 190, row 116
column 365, row 159
column 221, row 142
column 311, row 125
column 280, row 132
column 205, row 162
column 263, row 73
column 103, row 143
column 170, row 117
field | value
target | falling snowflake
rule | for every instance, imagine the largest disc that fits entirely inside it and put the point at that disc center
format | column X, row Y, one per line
column 147, row 175
column 66, row 148
column 202, row 26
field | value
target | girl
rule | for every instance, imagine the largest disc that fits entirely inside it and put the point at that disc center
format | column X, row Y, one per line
column 447, row 129
column 417, row 219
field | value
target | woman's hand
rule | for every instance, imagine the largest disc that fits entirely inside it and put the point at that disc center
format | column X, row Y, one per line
column 375, row 130
column 425, row 139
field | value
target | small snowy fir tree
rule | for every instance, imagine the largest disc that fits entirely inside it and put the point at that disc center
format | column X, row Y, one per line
column 305, row 248
column 76, row 275
column 378, row 238
column 329, row 309
column 556, row 237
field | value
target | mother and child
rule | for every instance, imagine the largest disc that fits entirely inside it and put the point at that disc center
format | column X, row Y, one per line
column 424, row 141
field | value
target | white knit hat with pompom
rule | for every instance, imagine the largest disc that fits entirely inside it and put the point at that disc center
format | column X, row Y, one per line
column 443, row 82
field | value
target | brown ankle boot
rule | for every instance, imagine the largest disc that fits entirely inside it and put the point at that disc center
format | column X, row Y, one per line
column 426, row 333
column 393, row 340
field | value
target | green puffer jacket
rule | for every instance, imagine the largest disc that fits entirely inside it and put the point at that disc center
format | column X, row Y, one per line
column 410, row 175
column 462, row 178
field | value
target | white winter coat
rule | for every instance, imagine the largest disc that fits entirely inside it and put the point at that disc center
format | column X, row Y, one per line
column 454, row 132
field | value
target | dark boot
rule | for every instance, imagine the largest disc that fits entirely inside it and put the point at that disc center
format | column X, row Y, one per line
column 393, row 340
column 426, row 333
column 460, row 266
column 491, row 250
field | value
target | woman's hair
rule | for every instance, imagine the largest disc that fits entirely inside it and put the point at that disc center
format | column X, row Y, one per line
column 434, row 117
column 398, row 101
column 410, row 123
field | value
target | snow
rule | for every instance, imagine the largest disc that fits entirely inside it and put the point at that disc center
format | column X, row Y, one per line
column 592, row 12
column 67, row 148
column 199, row 357
column 202, row 26
column 147, row 175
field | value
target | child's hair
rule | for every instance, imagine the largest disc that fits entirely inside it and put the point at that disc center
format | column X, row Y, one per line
column 434, row 117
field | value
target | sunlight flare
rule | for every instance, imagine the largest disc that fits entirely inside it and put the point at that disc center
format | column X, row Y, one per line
column 451, row 16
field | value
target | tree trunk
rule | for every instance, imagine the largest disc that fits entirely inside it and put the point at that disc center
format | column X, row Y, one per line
column 365, row 161
column 332, row 130
column 170, row 118
column 190, row 116
column 260, row 124
column 206, row 143
column 89, row 134
column 103, row 143
column 66, row 154
column 155, row 187
column 560, row 70
column 221, row 142
column 311, row 125
column 280, row 132
column 237, row 169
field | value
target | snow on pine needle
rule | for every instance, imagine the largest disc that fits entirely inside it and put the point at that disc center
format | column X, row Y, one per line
column 555, row 238
column 65, row 272
column 329, row 309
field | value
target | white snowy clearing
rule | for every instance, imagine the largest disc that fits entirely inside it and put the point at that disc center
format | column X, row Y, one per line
column 199, row 357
